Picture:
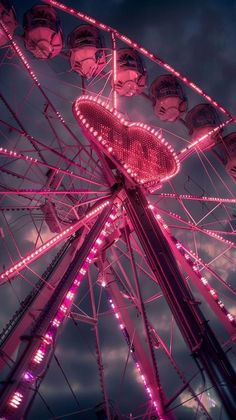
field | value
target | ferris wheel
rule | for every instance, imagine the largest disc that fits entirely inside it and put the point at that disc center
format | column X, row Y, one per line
column 117, row 228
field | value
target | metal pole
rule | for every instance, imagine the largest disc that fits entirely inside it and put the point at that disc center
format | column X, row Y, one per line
column 32, row 362
column 194, row 327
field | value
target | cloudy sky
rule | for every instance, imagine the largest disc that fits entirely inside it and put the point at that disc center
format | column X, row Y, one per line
column 198, row 38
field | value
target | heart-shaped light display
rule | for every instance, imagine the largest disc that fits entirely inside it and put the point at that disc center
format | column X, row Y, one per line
column 138, row 150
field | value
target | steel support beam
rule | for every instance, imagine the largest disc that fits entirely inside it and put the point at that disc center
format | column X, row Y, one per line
column 223, row 319
column 16, row 380
column 34, row 303
column 194, row 327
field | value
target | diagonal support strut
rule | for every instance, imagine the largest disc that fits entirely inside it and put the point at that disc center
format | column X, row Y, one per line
column 194, row 327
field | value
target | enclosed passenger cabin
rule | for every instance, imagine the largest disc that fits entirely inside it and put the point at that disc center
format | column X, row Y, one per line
column 168, row 98
column 130, row 78
column 201, row 120
column 229, row 154
column 42, row 32
column 8, row 18
column 87, row 55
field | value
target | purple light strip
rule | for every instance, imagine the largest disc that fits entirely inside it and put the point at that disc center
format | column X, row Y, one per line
column 192, row 261
column 29, row 258
column 48, row 339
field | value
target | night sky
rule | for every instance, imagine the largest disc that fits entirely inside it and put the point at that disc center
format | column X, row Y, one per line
column 198, row 38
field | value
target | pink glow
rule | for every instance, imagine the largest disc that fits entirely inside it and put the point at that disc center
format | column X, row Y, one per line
column 146, row 165
column 14, row 269
column 26, row 64
column 198, row 198
column 28, row 376
column 63, row 308
column 122, row 327
column 48, row 338
column 56, row 322
column 206, row 231
column 192, row 263
column 114, row 64
column 140, row 49
column 16, row 399
column 200, row 141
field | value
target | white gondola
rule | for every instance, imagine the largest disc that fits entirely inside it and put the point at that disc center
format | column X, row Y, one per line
column 168, row 98
column 87, row 55
column 201, row 120
column 130, row 78
column 8, row 18
column 42, row 32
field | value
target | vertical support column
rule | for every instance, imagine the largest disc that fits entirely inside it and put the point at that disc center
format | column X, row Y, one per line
column 194, row 328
